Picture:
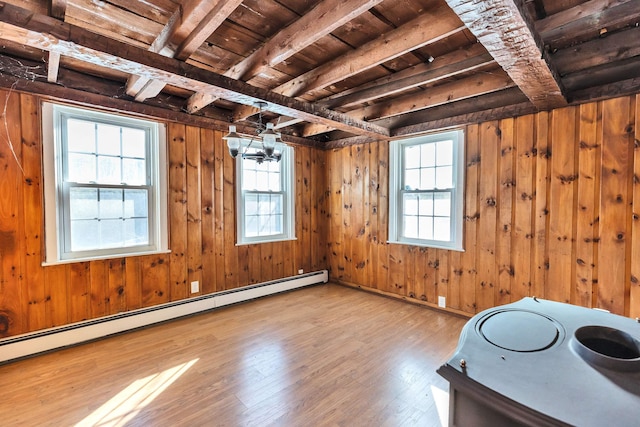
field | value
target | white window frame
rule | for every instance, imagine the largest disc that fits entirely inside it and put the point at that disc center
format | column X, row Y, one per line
column 396, row 190
column 287, row 189
column 57, row 203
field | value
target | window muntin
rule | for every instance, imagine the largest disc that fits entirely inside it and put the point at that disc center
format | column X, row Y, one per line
column 426, row 185
column 104, row 193
column 265, row 205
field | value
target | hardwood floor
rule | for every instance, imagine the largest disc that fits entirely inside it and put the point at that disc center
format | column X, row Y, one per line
column 321, row 356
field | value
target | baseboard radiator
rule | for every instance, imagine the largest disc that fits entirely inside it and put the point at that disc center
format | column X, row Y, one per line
column 33, row 343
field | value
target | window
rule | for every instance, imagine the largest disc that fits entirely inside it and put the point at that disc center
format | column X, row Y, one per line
column 265, row 199
column 105, row 189
column 426, row 190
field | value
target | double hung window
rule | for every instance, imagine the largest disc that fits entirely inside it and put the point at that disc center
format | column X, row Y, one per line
column 265, row 198
column 426, row 190
column 105, row 189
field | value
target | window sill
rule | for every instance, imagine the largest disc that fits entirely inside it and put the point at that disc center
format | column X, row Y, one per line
column 257, row 242
column 426, row 245
column 103, row 257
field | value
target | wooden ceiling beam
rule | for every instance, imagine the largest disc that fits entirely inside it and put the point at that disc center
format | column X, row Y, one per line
column 467, row 87
column 58, row 8
column 21, row 26
column 587, row 21
column 395, row 86
column 426, row 29
column 53, row 65
column 189, row 27
column 504, row 30
column 324, row 18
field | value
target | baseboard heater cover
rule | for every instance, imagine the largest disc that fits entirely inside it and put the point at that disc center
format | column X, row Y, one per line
column 33, row 343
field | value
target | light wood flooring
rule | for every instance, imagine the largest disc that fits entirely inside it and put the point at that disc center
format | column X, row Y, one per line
column 326, row 355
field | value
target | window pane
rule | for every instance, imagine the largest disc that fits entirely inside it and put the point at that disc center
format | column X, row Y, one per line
column 111, row 233
column 81, row 168
column 109, row 170
column 441, row 229
column 110, row 203
column 81, row 136
column 444, row 177
column 426, row 227
column 428, row 179
column 136, row 232
column 250, row 204
column 109, row 139
column 425, row 205
column 428, row 155
column 412, row 157
column 410, row 226
column 262, row 181
column 133, row 143
column 444, row 153
column 442, row 204
column 134, row 172
column 136, row 204
column 264, row 225
column 251, row 226
column 83, row 203
column 412, row 179
column 276, row 224
column 84, row 235
column 274, row 181
column 249, row 179
column 410, row 204
column 276, row 204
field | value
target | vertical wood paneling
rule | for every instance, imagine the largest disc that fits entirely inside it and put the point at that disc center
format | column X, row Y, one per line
column 201, row 214
column 634, row 280
column 541, row 194
column 208, row 207
column 346, row 214
column 487, row 278
column 541, row 206
column 37, row 290
column 561, row 215
column 13, row 307
column 374, row 217
column 505, row 212
column 382, row 264
column 218, row 201
column 587, row 212
column 616, row 173
column 523, row 208
column 549, row 178
column 178, row 198
column 194, row 210
column 468, row 271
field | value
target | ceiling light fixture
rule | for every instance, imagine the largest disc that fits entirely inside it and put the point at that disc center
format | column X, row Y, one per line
column 267, row 139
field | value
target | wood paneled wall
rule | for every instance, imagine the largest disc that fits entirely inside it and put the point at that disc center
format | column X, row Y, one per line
column 552, row 209
column 202, row 231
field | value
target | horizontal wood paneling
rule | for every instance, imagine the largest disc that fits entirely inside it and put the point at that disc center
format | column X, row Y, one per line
column 551, row 210
column 202, row 231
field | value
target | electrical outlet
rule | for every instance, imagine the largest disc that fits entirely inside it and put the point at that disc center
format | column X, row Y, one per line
column 300, row 271
column 442, row 302
column 195, row 287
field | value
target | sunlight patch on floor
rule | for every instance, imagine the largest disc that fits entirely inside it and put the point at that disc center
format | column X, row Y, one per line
column 441, row 398
column 129, row 402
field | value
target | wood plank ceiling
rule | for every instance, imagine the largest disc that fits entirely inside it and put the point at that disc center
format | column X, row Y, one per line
column 333, row 72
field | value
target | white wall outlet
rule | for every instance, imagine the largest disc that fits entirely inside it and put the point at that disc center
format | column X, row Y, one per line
column 300, row 271
column 195, row 287
column 442, row 302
